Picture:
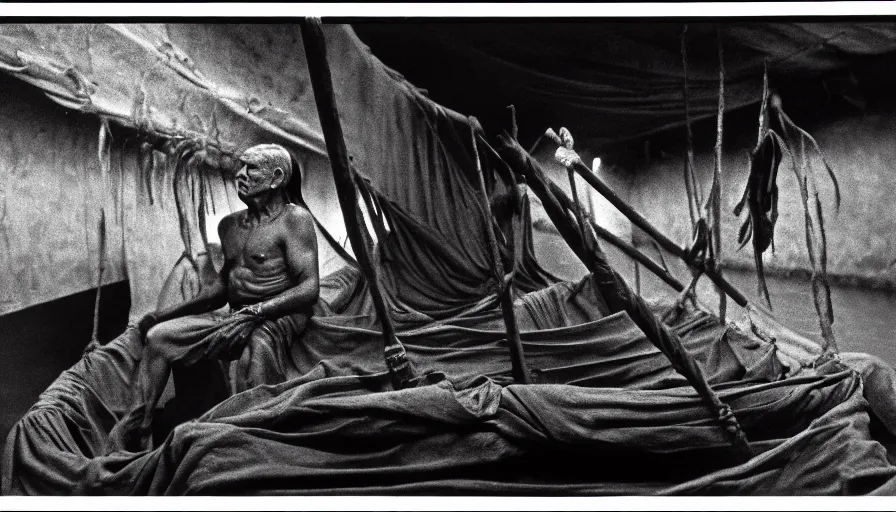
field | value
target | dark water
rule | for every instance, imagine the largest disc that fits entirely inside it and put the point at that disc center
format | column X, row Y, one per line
column 864, row 319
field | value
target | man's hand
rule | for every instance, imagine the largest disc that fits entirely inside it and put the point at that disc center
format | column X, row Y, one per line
column 254, row 310
column 238, row 329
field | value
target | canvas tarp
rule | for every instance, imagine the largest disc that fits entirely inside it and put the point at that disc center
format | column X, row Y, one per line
column 335, row 425
column 232, row 86
column 613, row 80
column 602, row 392
column 338, row 427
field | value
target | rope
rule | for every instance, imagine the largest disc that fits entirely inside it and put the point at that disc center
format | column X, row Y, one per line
column 690, row 180
column 100, row 270
column 714, row 202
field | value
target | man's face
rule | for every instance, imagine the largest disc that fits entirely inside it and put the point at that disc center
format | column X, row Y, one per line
column 253, row 178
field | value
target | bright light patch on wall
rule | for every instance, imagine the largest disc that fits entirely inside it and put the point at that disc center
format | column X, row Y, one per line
column 605, row 214
column 211, row 226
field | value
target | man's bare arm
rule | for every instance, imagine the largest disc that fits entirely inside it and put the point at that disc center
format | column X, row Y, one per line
column 212, row 296
column 300, row 248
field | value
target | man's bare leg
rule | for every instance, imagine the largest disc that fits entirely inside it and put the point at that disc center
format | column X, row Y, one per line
column 134, row 431
column 258, row 364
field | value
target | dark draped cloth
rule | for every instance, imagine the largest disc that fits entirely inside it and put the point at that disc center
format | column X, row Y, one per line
column 607, row 414
column 603, row 393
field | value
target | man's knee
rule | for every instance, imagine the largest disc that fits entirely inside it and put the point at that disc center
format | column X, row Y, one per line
column 162, row 332
column 262, row 341
column 165, row 339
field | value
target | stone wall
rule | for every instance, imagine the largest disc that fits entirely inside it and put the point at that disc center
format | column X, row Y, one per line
column 861, row 237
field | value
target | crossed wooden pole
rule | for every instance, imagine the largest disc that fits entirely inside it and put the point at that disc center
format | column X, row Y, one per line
column 399, row 367
column 617, row 294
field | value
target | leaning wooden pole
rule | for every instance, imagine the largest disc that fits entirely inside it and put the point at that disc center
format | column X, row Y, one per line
column 321, row 81
column 602, row 233
column 619, row 243
column 519, row 370
column 715, row 204
column 619, row 296
column 665, row 242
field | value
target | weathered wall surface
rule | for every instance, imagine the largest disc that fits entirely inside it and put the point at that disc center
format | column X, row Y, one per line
column 51, row 192
column 861, row 238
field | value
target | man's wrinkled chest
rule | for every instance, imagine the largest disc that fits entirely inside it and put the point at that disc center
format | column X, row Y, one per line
column 255, row 247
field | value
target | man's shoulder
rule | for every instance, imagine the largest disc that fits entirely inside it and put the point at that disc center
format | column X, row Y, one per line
column 230, row 220
column 297, row 221
column 298, row 215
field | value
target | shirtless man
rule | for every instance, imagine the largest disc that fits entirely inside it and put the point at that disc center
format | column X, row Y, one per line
column 269, row 278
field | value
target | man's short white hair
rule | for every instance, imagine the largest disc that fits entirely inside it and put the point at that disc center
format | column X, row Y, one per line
column 270, row 156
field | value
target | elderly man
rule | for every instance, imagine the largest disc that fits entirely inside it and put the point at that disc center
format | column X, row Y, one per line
column 269, row 278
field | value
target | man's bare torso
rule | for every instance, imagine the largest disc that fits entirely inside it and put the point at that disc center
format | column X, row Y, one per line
column 256, row 266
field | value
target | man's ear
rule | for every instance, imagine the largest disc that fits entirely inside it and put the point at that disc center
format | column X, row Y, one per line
column 277, row 178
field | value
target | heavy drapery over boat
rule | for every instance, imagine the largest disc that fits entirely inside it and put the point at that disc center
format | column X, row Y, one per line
column 334, row 424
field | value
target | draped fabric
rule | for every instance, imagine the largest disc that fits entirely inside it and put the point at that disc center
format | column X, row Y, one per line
column 609, row 81
column 335, row 425
column 602, row 392
column 340, row 428
column 229, row 86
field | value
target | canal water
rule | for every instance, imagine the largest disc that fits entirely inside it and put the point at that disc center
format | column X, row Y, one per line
column 864, row 319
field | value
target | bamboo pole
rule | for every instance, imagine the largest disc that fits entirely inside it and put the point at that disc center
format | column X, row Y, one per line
column 715, row 202
column 519, row 370
column 619, row 243
column 619, row 296
column 602, row 233
column 665, row 242
column 321, row 81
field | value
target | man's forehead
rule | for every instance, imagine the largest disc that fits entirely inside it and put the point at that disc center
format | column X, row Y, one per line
column 261, row 155
column 251, row 157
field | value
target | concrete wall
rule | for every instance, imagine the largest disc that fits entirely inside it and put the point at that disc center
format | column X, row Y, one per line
column 51, row 191
column 550, row 248
column 861, row 238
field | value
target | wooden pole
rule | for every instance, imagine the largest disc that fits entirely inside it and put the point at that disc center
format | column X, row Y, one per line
column 519, row 369
column 100, row 270
column 619, row 296
column 665, row 242
column 602, row 233
column 321, row 81
column 619, row 243
column 715, row 206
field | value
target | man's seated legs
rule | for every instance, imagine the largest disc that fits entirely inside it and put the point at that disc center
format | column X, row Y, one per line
column 180, row 339
column 266, row 357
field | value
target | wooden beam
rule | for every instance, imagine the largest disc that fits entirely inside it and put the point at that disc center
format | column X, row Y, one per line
column 619, row 297
column 322, row 83
column 665, row 242
column 619, row 243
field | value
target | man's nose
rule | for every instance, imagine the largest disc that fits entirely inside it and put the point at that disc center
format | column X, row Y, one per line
column 242, row 173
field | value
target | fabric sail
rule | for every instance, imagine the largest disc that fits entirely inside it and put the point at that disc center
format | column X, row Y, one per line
column 333, row 424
